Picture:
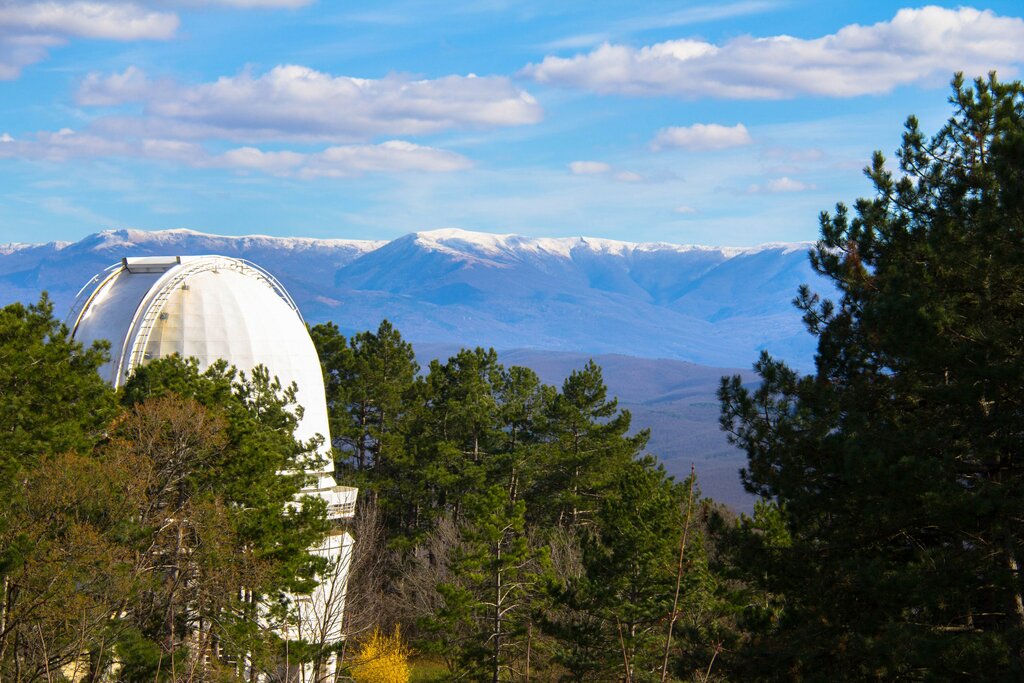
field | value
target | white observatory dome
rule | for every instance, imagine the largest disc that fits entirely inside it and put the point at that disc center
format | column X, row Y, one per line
column 214, row 307
column 209, row 307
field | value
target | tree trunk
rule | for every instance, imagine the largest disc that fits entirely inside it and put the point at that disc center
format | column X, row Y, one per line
column 496, row 656
column 529, row 644
column 4, row 609
column 679, row 575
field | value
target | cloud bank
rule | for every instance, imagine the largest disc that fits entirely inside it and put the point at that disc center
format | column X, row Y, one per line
column 292, row 102
column 135, row 116
column 28, row 30
column 341, row 161
column 915, row 45
column 702, row 137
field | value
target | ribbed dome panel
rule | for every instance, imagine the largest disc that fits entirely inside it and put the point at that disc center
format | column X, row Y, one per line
column 208, row 307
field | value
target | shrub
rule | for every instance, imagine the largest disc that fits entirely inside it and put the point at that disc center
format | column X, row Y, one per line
column 382, row 659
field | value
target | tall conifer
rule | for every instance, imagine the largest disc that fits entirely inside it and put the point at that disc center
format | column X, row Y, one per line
column 899, row 462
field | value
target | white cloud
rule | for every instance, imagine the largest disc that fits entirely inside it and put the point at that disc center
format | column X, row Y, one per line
column 28, row 30
column 62, row 145
column 251, row 4
column 393, row 156
column 17, row 51
column 702, row 137
column 916, row 45
column 296, row 102
column 600, row 168
column 780, row 185
column 171, row 150
column 182, row 124
column 589, row 167
column 390, row 156
column 110, row 21
column 98, row 91
column 684, row 210
column 253, row 159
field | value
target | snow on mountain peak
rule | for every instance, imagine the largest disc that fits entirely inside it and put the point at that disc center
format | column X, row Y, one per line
column 173, row 238
column 478, row 245
column 485, row 245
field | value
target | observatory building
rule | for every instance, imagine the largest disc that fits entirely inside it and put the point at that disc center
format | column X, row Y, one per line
column 210, row 308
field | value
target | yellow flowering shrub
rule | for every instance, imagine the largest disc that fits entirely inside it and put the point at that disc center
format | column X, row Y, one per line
column 381, row 659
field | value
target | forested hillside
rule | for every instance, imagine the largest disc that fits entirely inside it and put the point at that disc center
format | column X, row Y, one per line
column 517, row 524
column 504, row 526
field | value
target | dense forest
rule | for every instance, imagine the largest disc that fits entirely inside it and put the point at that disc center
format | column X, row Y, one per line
column 513, row 531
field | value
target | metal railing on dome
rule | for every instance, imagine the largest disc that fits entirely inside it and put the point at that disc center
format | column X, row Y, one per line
column 146, row 316
column 85, row 296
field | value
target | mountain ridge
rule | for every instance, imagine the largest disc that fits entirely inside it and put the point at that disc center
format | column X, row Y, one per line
column 717, row 306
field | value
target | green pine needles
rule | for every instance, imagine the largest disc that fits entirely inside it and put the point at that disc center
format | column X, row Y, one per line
column 897, row 465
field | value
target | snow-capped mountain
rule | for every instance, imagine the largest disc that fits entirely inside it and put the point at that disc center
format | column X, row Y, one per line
column 713, row 306
column 706, row 305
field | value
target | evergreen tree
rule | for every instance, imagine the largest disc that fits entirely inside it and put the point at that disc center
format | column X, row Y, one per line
column 898, row 464
column 52, row 398
column 482, row 621
column 338, row 368
column 386, row 370
column 750, row 550
column 52, row 401
column 372, row 396
column 523, row 415
column 368, row 382
column 590, row 448
column 617, row 610
column 454, row 436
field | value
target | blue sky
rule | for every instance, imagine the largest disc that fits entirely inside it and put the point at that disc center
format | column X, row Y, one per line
column 728, row 123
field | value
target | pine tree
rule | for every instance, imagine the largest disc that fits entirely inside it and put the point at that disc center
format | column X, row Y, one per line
column 368, row 383
column 615, row 612
column 52, row 401
column 52, row 398
column 590, row 447
column 455, row 434
column 898, row 463
column 523, row 413
column 338, row 368
column 494, row 569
